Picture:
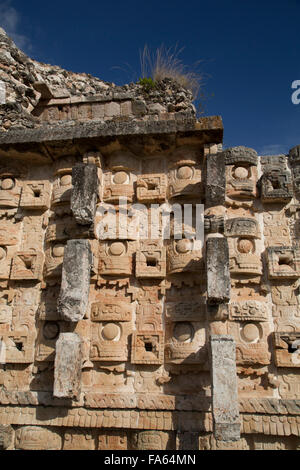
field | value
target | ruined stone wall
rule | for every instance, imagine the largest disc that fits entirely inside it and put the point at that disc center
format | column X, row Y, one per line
column 38, row 93
column 113, row 340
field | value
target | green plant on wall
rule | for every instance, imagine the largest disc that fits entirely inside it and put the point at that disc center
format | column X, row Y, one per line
column 147, row 83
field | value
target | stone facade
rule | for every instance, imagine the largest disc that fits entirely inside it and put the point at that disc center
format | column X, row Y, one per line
column 116, row 336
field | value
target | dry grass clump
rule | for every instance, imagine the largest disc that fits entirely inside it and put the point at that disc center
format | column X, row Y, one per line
column 165, row 63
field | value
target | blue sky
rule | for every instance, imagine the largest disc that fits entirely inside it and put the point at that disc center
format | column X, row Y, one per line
column 249, row 53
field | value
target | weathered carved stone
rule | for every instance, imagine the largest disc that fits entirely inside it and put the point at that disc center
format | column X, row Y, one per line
column 27, row 266
column 153, row 440
column 10, row 188
column 116, row 258
column 217, row 265
column 79, row 440
column 185, row 180
column 147, row 347
column 111, row 309
column 151, row 260
column 113, row 440
column 276, row 229
column 294, row 159
column 65, row 228
column 185, row 343
column 120, row 177
column 36, row 195
column 107, row 346
column 214, row 224
column 251, row 340
column 283, row 262
column 287, row 349
column 68, row 364
column 224, row 389
column 276, row 186
column 184, row 256
column 241, row 174
column 109, row 341
column 6, row 437
column 151, row 188
column 84, row 193
column 240, row 155
column 244, row 257
column 242, row 227
column 37, row 438
column 73, row 298
column 149, row 316
column 210, row 443
column 250, row 310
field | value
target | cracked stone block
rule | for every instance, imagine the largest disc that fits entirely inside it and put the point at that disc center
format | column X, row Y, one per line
column 68, row 366
column 217, row 265
column 84, row 193
column 74, row 293
column 225, row 406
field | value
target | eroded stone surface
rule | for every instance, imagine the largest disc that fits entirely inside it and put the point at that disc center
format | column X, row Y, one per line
column 67, row 367
column 217, row 265
column 224, row 388
column 84, row 193
column 73, row 298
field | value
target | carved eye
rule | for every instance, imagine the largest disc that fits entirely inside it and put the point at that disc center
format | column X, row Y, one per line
column 117, row 249
column 51, row 330
column 185, row 173
column 121, row 177
column 183, row 332
column 184, row 246
column 58, row 250
column 2, row 253
column 111, row 332
column 7, row 183
column 245, row 245
column 250, row 333
column 66, row 180
column 241, row 172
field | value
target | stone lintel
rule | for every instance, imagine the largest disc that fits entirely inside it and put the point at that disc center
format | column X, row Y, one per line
column 210, row 129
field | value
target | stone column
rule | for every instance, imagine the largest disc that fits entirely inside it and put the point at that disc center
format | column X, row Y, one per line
column 74, row 294
column 68, row 364
column 217, row 255
column 218, row 277
column 84, row 193
column 225, row 407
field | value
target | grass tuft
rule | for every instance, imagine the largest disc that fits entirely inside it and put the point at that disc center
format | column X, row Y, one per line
column 165, row 63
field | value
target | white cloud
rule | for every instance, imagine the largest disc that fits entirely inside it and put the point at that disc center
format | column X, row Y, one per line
column 273, row 149
column 9, row 21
